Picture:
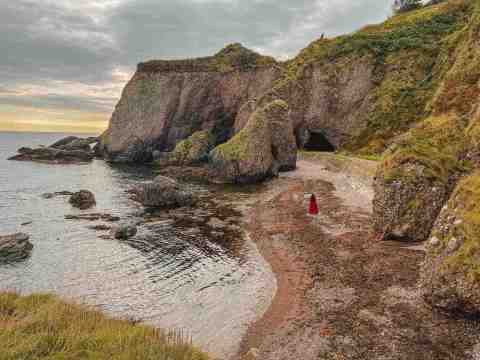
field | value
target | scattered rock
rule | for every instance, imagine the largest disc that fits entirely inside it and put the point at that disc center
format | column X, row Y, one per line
column 83, row 199
column 58, row 193
column 93, row 217
column 15, row 247
column 163, row 192
column 124, row 231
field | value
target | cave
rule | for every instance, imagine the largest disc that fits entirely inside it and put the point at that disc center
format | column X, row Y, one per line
column 317, row 141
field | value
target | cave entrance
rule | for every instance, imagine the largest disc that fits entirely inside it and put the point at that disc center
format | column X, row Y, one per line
column 317, row 141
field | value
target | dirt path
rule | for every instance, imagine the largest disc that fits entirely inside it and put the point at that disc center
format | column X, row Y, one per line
column 341, row 294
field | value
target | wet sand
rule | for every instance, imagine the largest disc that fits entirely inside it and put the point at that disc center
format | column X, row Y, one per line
column 341, row 293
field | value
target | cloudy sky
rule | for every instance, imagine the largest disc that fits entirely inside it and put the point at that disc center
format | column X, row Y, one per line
column 65, row 62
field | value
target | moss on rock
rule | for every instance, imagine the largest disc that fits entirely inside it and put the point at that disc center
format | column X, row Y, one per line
column 451, row 272
column 263, row 147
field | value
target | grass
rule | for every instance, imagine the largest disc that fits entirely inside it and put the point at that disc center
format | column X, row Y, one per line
column 466, row 202
column 437, row 144
column 44, row 327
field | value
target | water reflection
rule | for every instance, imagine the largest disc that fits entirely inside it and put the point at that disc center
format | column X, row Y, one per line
column 186, row 269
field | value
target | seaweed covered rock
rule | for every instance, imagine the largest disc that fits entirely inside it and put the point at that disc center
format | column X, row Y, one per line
column 14, row 247
column 416, row 177
column 163, row 192
column 265, row 146
column 83, row 199
column 190, row 151
column 450, row 274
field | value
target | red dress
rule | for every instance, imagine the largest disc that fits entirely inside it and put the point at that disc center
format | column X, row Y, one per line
column 313, row 208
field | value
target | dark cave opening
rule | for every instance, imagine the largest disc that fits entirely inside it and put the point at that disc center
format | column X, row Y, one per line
column 317, row 141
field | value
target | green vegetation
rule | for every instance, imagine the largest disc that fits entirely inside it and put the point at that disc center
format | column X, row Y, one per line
column 409, row 54
column 233, row 57
column 43, row 327
column 436, row 144
column 466, row 201
column 195, row 148
column 250, row 139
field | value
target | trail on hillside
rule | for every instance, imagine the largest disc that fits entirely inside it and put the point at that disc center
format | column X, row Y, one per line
column 341, row 293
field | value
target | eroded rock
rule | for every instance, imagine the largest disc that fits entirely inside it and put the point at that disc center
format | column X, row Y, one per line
column 450, row 274
column 264, row 147
column 124, row 231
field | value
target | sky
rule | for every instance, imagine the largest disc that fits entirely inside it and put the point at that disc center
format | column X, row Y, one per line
column 64, row 63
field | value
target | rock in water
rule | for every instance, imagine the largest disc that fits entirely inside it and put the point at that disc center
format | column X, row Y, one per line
column 265, row 146
column 163, row 192
column 124, row 232
column 15, row 247
column 450, row 274
column 52, row 155
column 64, row 141
column 83, row 199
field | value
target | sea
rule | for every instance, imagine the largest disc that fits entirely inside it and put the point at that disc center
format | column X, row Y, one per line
column 170, row 276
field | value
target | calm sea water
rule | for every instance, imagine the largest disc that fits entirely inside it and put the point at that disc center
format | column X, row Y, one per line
column 171, row 276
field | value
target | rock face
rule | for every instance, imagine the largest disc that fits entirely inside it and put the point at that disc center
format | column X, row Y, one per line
column 416, row 177
column 14, row 247
column 67, row 150
column 450, row 275
column 168, row 101
column 265, row 146
column 163, row 192
column 83, row 200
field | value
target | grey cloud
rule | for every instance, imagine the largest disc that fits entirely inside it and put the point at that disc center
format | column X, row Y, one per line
column 44, row 40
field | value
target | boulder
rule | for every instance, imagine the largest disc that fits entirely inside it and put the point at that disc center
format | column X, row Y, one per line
column 190, row 151
column 263, row 147
column 124, row 231
column 163, row 192
column 83, row 199
column 15, row 247
column 416, row 177
column 450, row 274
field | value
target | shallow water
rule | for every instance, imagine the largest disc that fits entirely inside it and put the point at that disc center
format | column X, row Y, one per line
column 173, row 274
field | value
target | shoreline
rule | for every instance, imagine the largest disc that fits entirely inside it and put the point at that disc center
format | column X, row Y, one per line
column 341, row 294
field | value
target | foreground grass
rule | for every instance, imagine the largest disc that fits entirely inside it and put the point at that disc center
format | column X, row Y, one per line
column 44, row 327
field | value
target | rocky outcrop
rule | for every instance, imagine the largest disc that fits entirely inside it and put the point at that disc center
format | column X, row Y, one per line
column 83, row 200
column 167, row 101
column 191, row 151
column 265, row 146
column 163, row 192
column 52, row 155
column 67, row 150
column 15, row 247
column 416, row 177
column 450, row 274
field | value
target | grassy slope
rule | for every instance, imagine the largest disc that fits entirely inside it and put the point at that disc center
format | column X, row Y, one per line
column 411, row 53
column 43, row 327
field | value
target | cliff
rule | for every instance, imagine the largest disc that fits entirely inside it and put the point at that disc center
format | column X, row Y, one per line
column 407, row 89
column 167, row 101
